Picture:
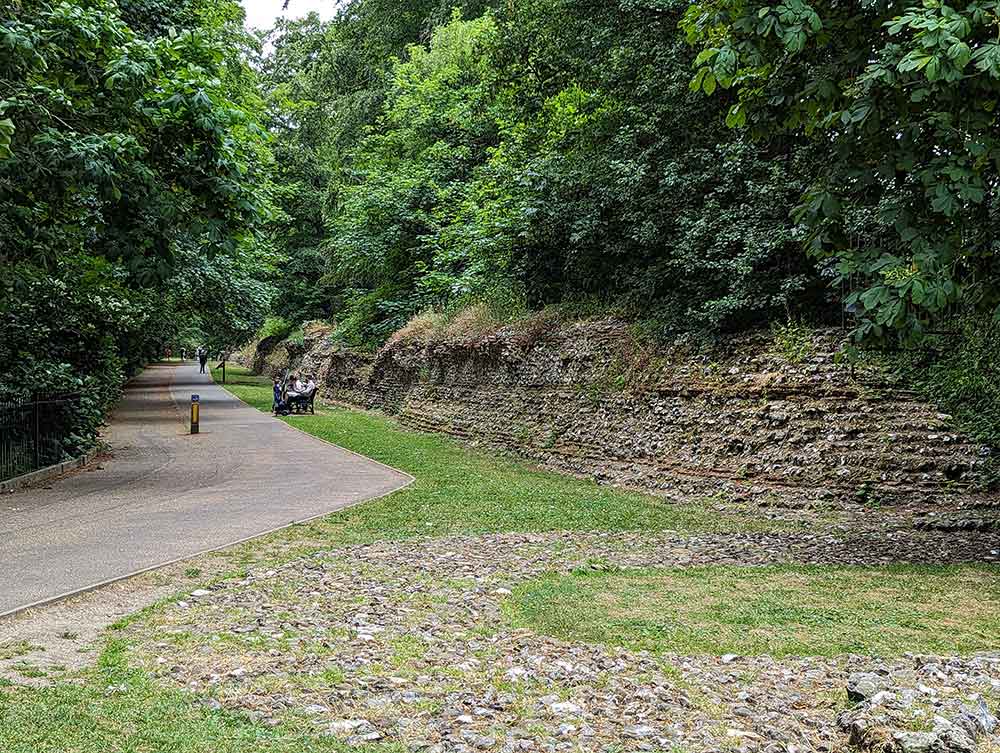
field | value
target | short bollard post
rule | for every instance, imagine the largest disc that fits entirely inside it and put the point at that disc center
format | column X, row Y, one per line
column 195, row 411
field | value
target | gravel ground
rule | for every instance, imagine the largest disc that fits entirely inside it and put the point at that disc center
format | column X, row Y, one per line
column 408, row 642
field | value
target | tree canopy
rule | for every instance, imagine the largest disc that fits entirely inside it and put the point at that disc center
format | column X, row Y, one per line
column 530, row 154
column 132, row 174
column 167, row 177
column 903, row 100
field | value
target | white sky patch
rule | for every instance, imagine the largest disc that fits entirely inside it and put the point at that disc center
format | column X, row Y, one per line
column 261, row 14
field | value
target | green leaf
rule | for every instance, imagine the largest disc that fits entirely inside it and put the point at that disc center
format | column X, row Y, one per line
column 6, row 136
column 706, row 55
column 696, row 82
column 708, row 83
column 933, row 69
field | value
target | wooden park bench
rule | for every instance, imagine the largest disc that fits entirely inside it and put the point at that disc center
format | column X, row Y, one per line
column 304, row 403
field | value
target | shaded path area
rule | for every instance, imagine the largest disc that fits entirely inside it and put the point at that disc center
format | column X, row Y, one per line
column 169, row 495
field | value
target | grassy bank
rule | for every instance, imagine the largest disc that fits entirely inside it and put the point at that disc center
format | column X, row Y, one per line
column 115, row 708
column 461, row 490
column 779, row 610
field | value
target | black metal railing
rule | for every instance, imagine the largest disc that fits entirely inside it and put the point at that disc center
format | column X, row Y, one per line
column 34, row 433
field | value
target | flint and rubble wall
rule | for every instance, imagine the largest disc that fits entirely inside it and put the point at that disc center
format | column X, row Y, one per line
column 740, row 420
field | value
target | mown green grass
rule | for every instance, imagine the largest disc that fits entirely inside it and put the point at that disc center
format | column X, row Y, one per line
column 120, row 710
column 777, row 610
column 113, row 708
column 462, row 490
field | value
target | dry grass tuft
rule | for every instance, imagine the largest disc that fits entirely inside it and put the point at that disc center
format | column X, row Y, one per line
column 470, row 324
column 533, row 328
column 421, row 328
column 317, row 329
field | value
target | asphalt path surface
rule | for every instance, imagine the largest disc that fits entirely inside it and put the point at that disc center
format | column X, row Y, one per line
column 167, row 494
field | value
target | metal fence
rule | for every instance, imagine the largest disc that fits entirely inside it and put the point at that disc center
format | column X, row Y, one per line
column 33, row 432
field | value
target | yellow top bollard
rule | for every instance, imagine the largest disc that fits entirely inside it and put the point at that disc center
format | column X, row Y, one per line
column 195, row 412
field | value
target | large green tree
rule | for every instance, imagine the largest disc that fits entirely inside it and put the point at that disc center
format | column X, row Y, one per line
column 902, row 100
column 116, row 144
column 618, row 184
column 540, row 153
column 412, row 177
column 131, row 169
column 326, row 85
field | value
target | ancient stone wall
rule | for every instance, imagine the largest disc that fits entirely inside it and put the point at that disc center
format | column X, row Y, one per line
column 740, row 419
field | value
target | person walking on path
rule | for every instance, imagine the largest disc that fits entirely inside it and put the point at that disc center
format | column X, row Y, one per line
column 202, row 360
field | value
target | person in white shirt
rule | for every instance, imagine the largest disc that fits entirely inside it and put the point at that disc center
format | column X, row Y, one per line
column 296, row 388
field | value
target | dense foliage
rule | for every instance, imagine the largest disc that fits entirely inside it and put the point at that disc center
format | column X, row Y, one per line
column 902, row 98
column 962, row 375
column 540, row 152
column 130, row 180
column 167, row 178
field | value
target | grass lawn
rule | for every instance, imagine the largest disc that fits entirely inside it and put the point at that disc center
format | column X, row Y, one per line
column 778, row 610
column 115, row 709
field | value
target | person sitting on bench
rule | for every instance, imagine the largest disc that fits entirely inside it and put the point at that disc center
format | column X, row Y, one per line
column 301, row 396
column 295, row 389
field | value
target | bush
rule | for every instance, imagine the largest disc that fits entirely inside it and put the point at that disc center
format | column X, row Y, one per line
column 965, row 379
column 959, row 373
column 276, row 327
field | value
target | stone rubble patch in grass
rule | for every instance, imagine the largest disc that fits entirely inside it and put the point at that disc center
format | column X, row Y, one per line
column 413, row 639
column 114, row 709
column 913, row 720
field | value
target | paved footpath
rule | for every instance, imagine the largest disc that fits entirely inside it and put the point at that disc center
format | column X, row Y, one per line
column 168, row 495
